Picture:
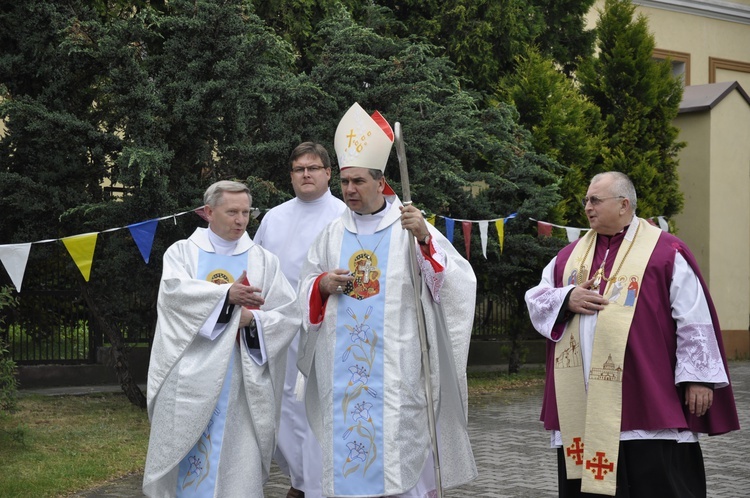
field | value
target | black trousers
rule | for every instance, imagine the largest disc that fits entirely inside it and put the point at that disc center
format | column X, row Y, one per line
column 648, row 468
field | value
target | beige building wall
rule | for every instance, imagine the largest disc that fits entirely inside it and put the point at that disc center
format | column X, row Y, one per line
column 729, row 232
column 694, row 221
column 709, row 42
column 711, row 37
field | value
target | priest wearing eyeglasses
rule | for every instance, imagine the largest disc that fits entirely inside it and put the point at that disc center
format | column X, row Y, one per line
column 288, row 230
column 636, row 369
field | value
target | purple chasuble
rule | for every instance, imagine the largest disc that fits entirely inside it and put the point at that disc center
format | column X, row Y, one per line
column 650, row 355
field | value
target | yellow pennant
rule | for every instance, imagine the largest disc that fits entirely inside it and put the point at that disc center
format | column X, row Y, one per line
column 431, row 220
column 81, row 249
column 500, row 225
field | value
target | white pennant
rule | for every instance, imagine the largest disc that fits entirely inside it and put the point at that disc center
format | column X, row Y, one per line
column 663, row 223
column 14, row 258
column 483, row 236
column 573, row 233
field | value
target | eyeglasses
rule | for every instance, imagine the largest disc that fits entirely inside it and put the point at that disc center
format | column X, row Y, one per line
column 299, row 170
column 595, row 201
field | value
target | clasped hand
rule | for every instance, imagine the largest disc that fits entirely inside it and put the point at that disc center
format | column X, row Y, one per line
column 586, row 301
column 245, row 294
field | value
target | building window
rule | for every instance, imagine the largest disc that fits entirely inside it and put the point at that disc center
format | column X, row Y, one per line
column 714, row 64
column 680, row 63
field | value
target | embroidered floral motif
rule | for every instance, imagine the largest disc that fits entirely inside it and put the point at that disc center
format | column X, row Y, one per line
column 362, row 351
column 195, row 473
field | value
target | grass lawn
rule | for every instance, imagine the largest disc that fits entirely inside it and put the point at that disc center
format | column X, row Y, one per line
column 481, row 383
column 56, row 445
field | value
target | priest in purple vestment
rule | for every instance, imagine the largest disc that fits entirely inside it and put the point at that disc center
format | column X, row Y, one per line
column 634, row 355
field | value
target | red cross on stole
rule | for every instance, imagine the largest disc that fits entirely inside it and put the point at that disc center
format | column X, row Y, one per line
column 575, row 450
column 599, row 465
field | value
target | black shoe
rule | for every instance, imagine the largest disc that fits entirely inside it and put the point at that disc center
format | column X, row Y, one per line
column 295, row 493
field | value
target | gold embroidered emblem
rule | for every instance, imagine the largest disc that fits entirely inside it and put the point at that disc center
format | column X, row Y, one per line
column 220, row 276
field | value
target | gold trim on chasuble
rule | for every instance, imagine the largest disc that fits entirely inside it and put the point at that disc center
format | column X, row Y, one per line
column 590, row 421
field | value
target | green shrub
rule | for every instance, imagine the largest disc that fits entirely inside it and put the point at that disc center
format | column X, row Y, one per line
column 8, row 380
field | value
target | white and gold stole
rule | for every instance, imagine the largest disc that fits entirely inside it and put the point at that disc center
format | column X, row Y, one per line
column 590, row 420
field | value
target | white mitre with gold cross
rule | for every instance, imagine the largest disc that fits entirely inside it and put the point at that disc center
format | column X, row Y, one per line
column 363, row 141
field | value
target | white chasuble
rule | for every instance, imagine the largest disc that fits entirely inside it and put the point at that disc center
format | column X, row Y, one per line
column 199, row 468
column 590, row 419
column 365, row 395
column 187, row 371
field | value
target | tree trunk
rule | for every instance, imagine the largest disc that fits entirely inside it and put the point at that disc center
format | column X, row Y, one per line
column 517, row 353
column 118, row 351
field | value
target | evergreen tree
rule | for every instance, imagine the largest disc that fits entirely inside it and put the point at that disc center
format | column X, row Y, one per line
column 163, row 102
column 563, row 125
column 565, row 39
column 165, row 98
column 450, row 143
column 639, row 98
column 55, row 149
column 481, row 37
column 52, row 154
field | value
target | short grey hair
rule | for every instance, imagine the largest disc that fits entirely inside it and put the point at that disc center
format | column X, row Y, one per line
column 376, row 174
column 621, row 186
column 214, row 193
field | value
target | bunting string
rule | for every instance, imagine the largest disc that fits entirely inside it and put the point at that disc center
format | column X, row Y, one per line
column 14, row 257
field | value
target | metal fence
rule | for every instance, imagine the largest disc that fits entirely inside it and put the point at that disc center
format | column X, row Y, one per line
column 52, row 324
column 49, row 324
column 491, row 317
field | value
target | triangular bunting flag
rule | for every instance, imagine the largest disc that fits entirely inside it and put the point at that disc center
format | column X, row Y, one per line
column 544, row 229
column 500, row 225
column 143, row 235
column 81, row 249
column 663, row 223
column 573, row 233
column 466, row 227
column 431, row 219
column 449, row 222
column 14, row 258
column 483, row 236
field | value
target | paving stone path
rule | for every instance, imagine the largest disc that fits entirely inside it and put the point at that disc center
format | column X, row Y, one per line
column 512, row 451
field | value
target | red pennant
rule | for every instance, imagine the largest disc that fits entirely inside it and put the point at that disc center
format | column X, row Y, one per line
column 466, row 227
column 544, row 229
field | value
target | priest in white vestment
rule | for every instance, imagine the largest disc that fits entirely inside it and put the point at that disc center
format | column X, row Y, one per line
column 360, row 351
column 226, row 315
column 288, row 231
